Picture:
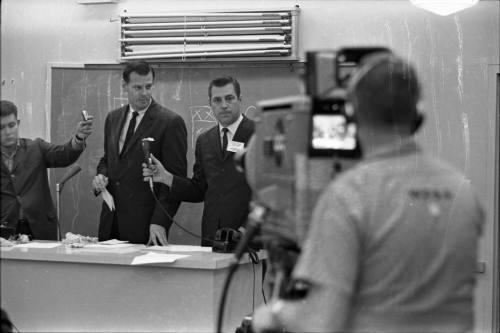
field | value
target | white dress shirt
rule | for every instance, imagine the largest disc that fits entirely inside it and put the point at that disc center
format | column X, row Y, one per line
column 127, row 121
column 231, row 130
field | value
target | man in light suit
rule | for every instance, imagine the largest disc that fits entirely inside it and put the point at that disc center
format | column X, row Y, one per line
column 224, row 190
column 138, row 217
column 27, row 205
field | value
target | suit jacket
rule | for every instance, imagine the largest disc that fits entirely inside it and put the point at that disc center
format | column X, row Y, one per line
column 216, row 181
column 28, row 185
column 135, row 206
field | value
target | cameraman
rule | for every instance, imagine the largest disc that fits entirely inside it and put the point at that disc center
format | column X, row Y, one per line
column 392, row 244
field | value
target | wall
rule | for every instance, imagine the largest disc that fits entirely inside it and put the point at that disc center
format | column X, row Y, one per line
column 457, row 57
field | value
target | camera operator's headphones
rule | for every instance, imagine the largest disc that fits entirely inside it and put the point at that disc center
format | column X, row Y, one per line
column 399, row 68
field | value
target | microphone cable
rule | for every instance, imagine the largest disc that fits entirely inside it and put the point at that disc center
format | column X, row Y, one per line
column 254, row 258
column 253, row 287
column 251, row 253
column 172, row 219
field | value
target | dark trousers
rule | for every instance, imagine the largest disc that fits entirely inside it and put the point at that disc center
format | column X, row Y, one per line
column 114, row 229
column 23, row 227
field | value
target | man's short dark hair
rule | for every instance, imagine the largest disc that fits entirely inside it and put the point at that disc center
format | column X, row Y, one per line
column 221, row 82
column 388, row 88
column 7, row 108
column 140, row 67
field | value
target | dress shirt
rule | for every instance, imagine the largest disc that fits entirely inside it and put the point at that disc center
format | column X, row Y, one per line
column 8, row 159
column 127, row 121
column 231, row 130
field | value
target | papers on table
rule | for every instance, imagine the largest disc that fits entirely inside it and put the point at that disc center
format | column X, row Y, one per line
column 113, row 242
column 38, row 245
column 109, row 249
column 153, row 257
column 6, row 243
column 108, row 246
column 180, row 248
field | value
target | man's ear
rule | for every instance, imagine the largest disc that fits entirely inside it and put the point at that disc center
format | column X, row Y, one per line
column 124, row 84
column 419, row 120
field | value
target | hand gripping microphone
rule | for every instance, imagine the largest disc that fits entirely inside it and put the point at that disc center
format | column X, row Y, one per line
column 147, row 157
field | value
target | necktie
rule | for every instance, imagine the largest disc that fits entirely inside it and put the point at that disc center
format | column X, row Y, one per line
column 130, row 130
column 224, row 140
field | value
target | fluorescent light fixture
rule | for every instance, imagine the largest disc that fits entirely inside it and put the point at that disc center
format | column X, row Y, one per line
column 92, row 2
column 444, row 7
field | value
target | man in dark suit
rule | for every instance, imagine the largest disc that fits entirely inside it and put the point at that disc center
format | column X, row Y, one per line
column 27, row 205
column 215, row 180
column 137, row 216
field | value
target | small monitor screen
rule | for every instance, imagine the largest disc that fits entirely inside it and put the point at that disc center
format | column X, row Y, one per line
column 333, row 132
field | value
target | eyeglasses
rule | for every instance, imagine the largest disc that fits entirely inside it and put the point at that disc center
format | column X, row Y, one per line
column 217, row 100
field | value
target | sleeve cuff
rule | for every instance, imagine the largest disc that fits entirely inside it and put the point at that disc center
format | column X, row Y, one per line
column 77, row 143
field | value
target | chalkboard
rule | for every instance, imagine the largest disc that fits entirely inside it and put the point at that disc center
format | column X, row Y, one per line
column 183, row 90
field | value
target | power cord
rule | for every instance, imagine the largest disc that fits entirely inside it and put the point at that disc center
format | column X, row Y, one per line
column 264, row 269
column 232, row 269
column 253, row 288
column 174, row 221
column 254, row 258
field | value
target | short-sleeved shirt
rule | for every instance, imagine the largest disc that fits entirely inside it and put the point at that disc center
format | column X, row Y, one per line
column 396, row 238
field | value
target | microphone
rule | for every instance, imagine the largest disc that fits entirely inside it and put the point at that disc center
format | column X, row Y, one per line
column 69, row 174
column 147, row 157
column 256, row 217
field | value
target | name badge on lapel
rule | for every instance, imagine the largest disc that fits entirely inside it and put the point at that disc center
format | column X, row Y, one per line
column 235, row 146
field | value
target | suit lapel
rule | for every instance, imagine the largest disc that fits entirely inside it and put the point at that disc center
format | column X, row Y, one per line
column 243, row 133
column 20, row 155
column 5, row 168
column 215, row 140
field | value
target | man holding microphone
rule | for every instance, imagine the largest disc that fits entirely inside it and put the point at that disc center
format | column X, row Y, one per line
column 27, row 206
column 137, row 216
column 216, row 181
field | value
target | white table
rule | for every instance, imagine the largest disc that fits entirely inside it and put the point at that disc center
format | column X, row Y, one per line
column 66, row 289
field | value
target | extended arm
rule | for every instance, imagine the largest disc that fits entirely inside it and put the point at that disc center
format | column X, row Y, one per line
column 173, row 158
column 182, row 188
column 56, row 156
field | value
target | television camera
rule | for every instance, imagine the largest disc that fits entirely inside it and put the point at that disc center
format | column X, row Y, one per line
column 300, row 144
